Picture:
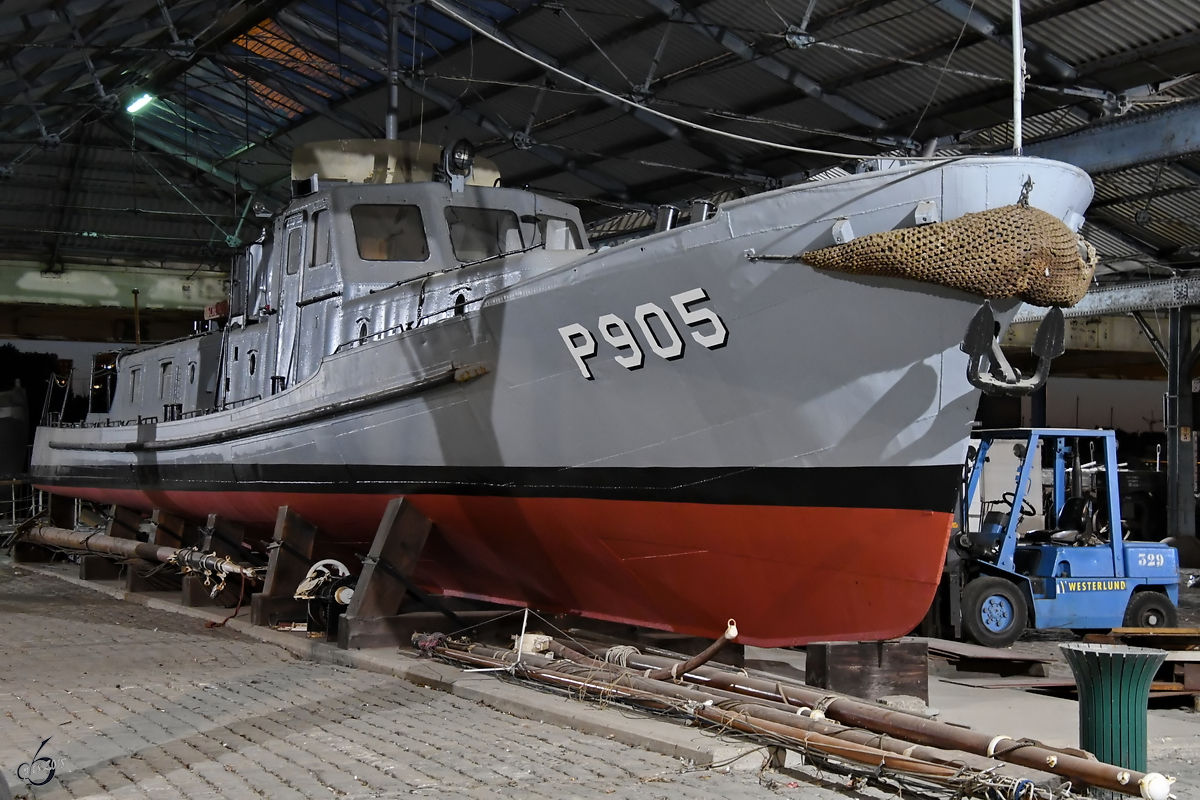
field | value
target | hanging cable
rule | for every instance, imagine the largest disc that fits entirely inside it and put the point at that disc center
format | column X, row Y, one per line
column 450, row 11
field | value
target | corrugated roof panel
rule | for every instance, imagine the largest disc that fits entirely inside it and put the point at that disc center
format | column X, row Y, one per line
column 1105, row 29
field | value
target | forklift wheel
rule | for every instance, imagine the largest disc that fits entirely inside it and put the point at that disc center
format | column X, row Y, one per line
column 1150, row 610
column 994, row 612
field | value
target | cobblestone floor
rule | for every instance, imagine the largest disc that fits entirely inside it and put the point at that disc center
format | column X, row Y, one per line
column 136, row 703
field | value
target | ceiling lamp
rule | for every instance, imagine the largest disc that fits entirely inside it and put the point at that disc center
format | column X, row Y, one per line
column 139, row 104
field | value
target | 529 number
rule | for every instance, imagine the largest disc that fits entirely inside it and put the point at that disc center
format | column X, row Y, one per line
column 657, row 328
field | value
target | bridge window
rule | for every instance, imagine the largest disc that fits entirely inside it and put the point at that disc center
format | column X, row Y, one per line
column 389, row 233
column 293, row 250
column 482, row 232
column 320, row 253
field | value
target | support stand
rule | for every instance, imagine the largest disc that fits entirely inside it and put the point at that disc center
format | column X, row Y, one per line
column 372, row 618
column 123, row 523
column 225, row 539
column 291, row 556
column 169, row 531
column 870, row 669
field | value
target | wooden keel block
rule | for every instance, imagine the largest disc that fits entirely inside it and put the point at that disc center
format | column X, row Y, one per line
column 173, row 531
column 291, row 556
column 870, row 669
column 123, row 523
column 98, row 568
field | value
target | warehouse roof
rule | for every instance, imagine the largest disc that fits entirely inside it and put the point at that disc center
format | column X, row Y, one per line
column 614, row 104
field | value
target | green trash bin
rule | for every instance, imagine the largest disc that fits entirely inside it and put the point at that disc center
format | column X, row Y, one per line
column 1114, row 691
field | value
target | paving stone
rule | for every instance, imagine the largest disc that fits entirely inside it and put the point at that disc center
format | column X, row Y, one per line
column 143, row 704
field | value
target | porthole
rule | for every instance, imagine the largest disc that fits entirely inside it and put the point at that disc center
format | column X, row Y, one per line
column 191, row 372
column 460, row 304
column 253, row 361
column 362, row 332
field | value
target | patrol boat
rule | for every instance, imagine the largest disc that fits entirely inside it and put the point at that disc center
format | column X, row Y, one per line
column 761, row 414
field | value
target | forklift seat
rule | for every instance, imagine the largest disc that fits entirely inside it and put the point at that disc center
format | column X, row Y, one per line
column 1073, row 523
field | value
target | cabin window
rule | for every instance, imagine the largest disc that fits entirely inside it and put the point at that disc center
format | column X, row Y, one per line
column 320, row 252
column 482, row 232
column 293, row 250
column 389, row 233
column 559, row 234
column 164, row 379
column 253, row 361
column 191, row 372
column 460, row 304
column 134, row 379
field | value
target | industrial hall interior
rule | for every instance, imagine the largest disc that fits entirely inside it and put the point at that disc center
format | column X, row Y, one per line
column 668, row 399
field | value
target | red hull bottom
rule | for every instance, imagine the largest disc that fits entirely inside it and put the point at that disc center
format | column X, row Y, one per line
column 788, row 575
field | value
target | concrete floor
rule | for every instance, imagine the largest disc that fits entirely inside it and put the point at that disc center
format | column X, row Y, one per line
column 142, row 702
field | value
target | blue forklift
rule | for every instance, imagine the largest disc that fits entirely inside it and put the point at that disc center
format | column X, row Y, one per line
column 1039, row 542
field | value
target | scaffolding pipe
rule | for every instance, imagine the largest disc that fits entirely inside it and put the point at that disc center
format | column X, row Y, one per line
column 873, row 717
column 187, row 558
column 781, row 713
column 652, row 692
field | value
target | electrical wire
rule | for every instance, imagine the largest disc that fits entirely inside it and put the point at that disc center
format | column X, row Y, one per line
column 470, row 23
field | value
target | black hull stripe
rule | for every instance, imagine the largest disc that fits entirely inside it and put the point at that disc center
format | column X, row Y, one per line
column 926, row 488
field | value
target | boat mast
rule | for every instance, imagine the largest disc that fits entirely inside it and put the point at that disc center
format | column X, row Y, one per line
column 392, row 126
column 1018, row 46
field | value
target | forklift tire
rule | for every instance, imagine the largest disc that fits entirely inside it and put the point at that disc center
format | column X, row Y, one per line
column 1150, row 610
column 994, row 612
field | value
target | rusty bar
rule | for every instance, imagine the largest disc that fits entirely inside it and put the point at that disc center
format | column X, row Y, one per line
column 783, row 713
column 131, row 548
column 540, row 668
column 859, row 714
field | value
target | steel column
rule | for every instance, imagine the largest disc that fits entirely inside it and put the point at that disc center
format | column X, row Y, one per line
column 1178, row 413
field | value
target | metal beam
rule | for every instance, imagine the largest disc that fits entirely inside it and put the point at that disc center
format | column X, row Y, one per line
column 1125, row 298
column 746, row 51
column 172, row 149
column 464, row 16
column 981, row 23
column 1160, row 135
column 454, row 107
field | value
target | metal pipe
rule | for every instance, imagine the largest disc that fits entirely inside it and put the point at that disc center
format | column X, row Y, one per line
column 392, row 124
column 1018, row 56
column 859, row 714
column 137, row 325
column 666, row 218
column 701, row 210
column 700, row 659
column 643, row 689
column 787, row 714
column 187, row 558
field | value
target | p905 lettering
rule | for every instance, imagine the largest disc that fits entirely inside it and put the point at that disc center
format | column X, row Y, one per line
column 660, row 332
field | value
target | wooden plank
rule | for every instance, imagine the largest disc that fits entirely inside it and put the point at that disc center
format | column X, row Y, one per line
column 870, row 669
column 950, row 649
column 291, row 556
column 1012, row 683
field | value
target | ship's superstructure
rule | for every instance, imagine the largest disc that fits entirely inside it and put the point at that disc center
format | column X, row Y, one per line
column 672, row 431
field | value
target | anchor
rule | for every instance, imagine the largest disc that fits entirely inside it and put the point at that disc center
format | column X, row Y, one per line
column 1000, row 377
